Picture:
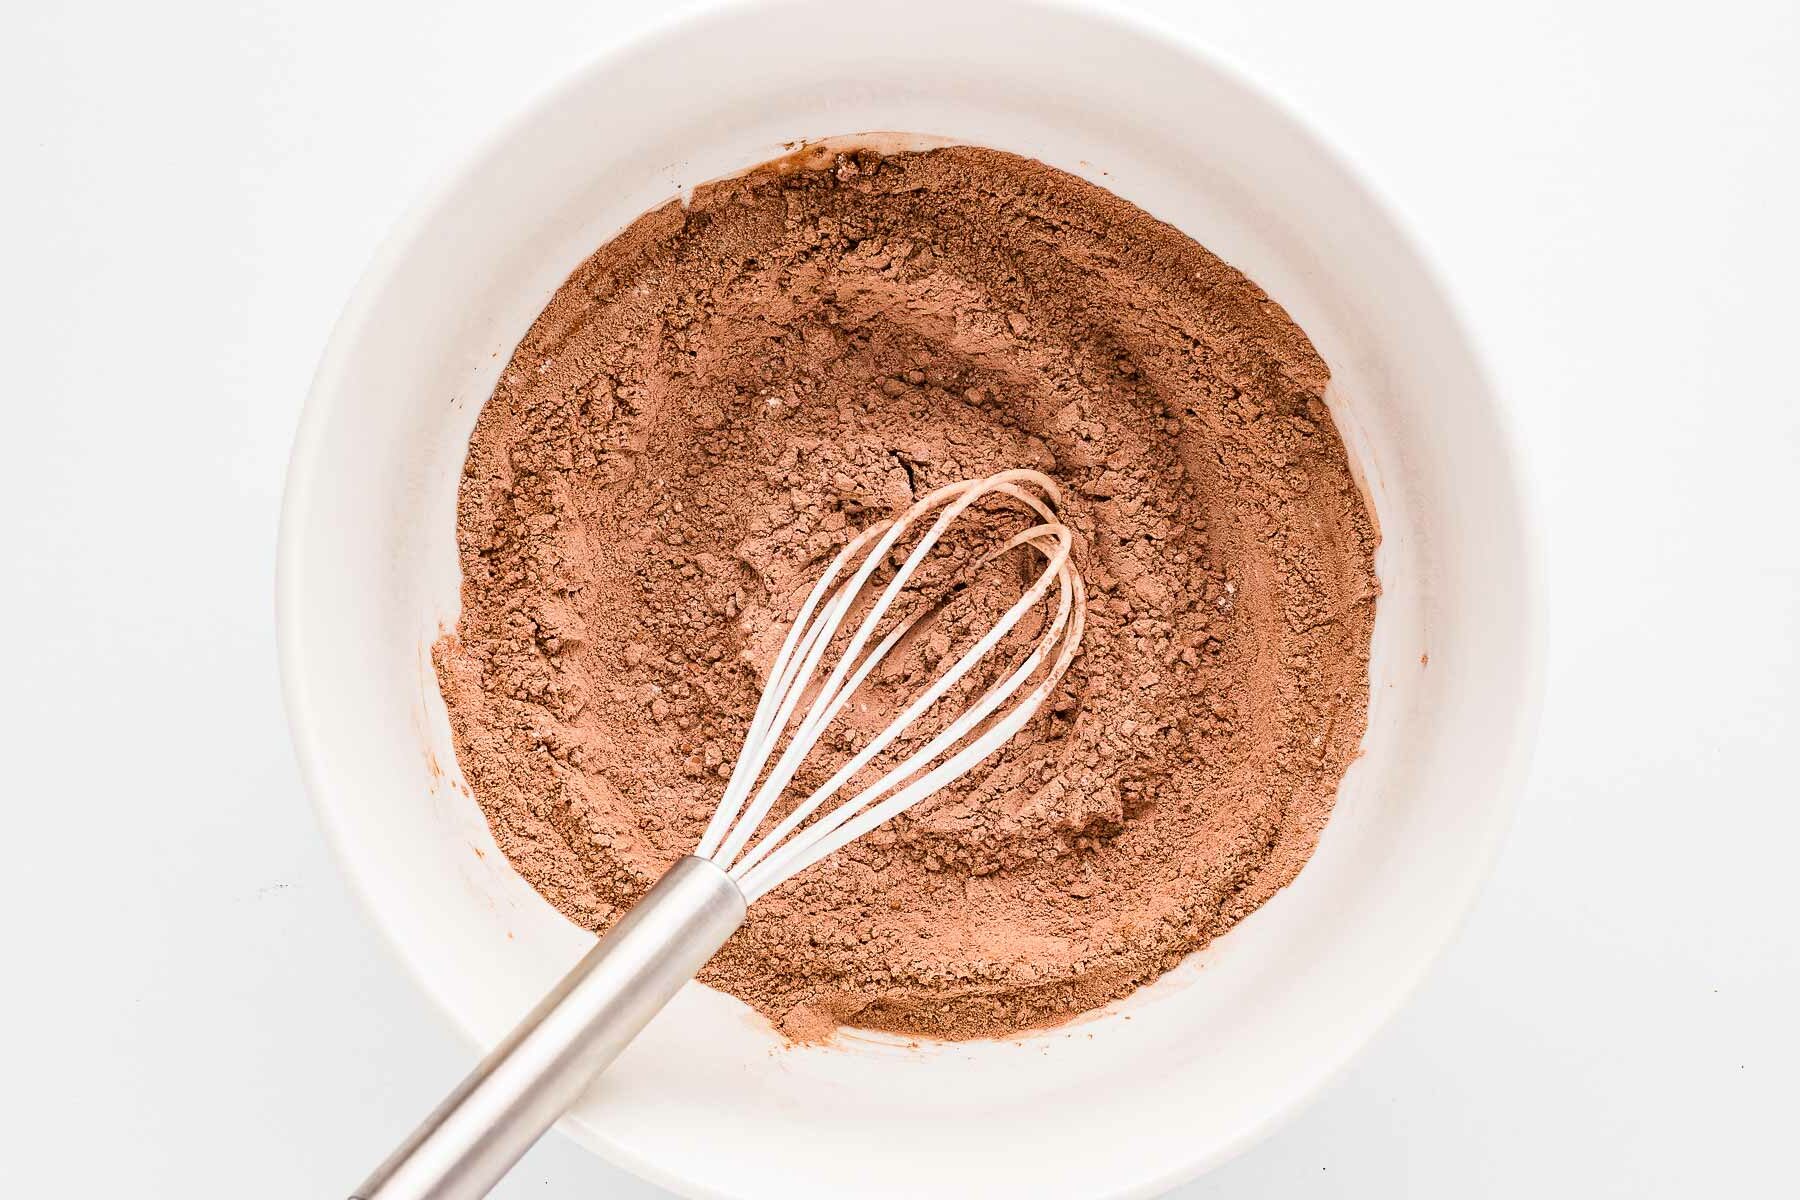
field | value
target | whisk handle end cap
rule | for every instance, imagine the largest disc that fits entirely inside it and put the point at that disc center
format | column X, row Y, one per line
column 574, row 1034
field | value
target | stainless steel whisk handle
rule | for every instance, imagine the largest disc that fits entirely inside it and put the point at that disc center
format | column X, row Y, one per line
column 490, row 1120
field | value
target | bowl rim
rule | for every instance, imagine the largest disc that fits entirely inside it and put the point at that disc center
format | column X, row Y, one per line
column 1520, row 472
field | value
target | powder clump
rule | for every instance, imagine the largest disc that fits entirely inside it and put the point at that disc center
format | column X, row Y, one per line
column 716, row 400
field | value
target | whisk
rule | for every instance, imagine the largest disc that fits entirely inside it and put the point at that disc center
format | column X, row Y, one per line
column 576, row 1031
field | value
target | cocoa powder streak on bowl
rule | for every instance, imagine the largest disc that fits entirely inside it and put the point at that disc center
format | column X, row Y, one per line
column 716, row 399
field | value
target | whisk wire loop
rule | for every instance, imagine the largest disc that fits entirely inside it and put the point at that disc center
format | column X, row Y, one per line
column 793, row 845
column 982, row 707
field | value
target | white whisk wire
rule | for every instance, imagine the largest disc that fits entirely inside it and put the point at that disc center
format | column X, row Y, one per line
column 778, row 693
column 843, row 825
column 793, row 845
column 942, row 684
column 960, row 497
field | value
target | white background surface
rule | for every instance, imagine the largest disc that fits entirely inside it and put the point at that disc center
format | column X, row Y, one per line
column 194, row 1006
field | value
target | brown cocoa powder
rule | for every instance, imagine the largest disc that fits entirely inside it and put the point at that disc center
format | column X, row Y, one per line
column 713, row 403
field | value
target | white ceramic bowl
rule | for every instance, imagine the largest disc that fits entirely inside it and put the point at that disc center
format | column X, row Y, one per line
column 1180, row 1075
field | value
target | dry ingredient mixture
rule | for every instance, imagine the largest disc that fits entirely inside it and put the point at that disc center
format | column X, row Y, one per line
column 718, row 398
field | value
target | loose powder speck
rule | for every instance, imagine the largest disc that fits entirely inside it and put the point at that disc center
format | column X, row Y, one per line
column 718, row 398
